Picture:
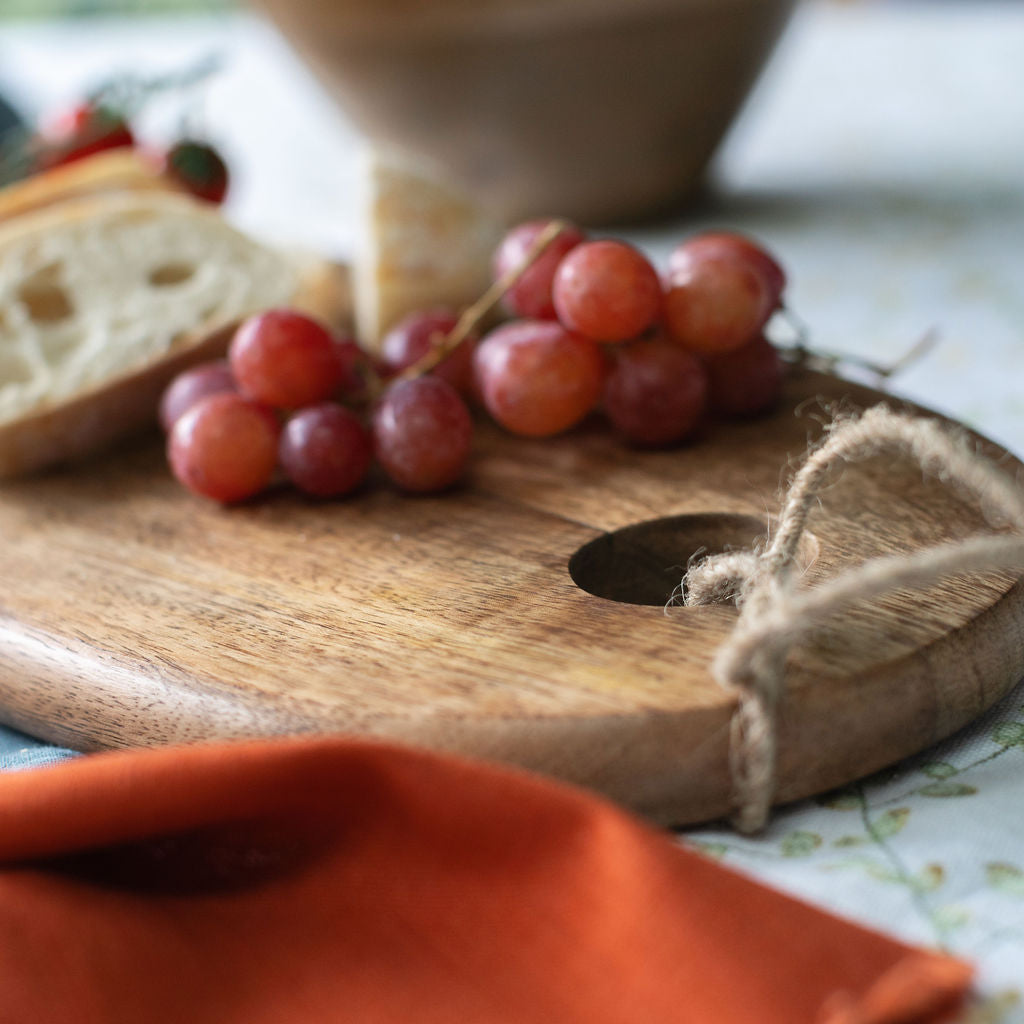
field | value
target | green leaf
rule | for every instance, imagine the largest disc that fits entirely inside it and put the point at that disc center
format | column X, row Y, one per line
column 883, row 873
column 849, row 841
column 1005, row 877
column 800, row 844
column 947, row 789
column 951, row 916
column 1009, row 734
column 890, row 823
column 931, row 876
column 841, row 800
column 939, row 770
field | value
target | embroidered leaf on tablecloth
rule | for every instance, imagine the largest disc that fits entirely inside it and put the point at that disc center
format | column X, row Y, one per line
column 1005, row 877
column 876, row 869
column 930, row 877
column 951, row 916
column 944, row 789
column 939, row 769
column 889, row 823
column 841, row 800
column 882, row 872
column 1009, row 734
column 800, row 844
column 843, row 841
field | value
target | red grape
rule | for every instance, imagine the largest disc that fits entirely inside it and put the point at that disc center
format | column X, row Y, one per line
column 530, row 296
column 536, row 378
column 422, row 433
column 715, row 301
column 325, row 450
column 746, row 381
column 355, row 366
column 285, row 359
column 736, row 245
column 190, row 385
column 415, row 335
column 656, row 392
column 224, row 447
column 607, row 291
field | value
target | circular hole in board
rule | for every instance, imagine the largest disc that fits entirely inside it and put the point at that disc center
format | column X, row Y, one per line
column 644, row 563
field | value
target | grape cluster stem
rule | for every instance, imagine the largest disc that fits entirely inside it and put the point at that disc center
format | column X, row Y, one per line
column 801, row 355
column 474, row 314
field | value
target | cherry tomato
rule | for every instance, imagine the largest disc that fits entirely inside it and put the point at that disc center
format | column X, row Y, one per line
column 199, row 168
column 82, row 131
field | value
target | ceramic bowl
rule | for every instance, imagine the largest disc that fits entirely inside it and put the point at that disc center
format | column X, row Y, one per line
column 600, row 110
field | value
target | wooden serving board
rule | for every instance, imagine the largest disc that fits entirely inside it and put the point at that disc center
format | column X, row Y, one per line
column 133, row 613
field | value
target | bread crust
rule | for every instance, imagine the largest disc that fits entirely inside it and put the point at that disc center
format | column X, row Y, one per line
column 92, row 204
column 95, row 419
column 115, row 170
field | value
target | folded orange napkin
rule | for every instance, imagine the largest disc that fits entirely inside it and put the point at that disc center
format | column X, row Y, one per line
column 334, row 880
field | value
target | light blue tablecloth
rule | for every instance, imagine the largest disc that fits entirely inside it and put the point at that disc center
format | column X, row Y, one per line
column 930, row 850
column 20, row 751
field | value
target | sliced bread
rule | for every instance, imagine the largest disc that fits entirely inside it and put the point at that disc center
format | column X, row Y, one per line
column 104, row 299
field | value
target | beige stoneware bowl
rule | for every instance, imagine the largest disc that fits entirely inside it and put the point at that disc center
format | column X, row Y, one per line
column 595, row 109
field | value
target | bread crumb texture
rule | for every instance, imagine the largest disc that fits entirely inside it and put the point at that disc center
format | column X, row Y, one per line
column 95, row 290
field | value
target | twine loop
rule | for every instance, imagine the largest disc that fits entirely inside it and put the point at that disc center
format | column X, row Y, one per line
column 775, row 613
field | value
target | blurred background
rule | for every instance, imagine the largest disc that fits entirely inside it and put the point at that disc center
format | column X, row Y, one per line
column 83, row 8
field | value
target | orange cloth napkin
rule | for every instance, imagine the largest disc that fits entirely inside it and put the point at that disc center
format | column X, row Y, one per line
column 333, row 880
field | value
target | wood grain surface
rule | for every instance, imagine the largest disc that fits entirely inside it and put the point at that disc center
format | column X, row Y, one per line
column 133, row 613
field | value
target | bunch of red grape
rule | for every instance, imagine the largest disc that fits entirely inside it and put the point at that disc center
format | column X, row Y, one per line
column 289, row 399
column 598, row 327
column 595, row 328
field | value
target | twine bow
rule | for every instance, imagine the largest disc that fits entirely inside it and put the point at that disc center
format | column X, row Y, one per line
column 775, row 613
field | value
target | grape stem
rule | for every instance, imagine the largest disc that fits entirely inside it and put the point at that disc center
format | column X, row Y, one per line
column 445, row 344
column 802, row 355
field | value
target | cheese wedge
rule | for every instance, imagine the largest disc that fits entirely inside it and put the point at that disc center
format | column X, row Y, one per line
column 422, row 243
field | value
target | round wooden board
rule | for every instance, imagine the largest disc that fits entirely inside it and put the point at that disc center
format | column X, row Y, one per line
column 136, row 614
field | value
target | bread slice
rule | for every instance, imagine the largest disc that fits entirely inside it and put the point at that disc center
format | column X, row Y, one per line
column 103, row 300
column 423, row 242
column 114, row 170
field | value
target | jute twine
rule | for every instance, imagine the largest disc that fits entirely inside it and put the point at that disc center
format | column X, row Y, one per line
column 775, row 613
